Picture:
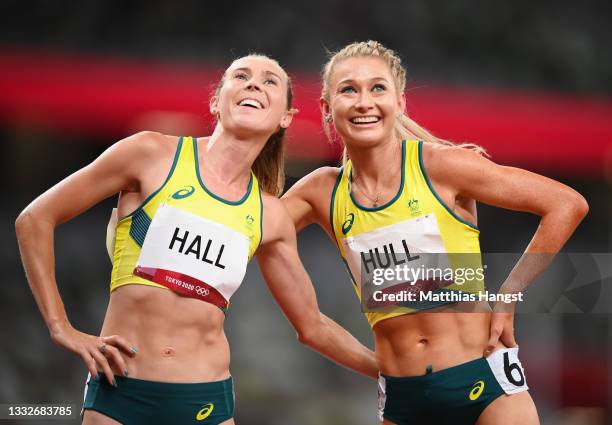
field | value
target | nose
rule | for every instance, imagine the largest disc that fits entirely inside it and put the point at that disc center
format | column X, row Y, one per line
column 252, row 85
column 364, row 101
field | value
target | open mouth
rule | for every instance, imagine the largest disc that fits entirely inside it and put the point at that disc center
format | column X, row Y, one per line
column 370, row 119
column 251, row 103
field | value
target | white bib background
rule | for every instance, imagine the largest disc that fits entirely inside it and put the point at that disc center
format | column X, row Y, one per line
column 156, row 254
column 421, row 234
column 508, row 370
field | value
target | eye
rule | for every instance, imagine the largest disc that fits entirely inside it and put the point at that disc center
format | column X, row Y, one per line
column 271, row 81
column 378, row 88
column 347, row 89
column 240, row 76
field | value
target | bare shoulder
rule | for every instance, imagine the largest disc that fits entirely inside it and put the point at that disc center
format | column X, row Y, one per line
column 441, row 161
column 124, row 167
column 144, row 156
column 148, row 144
column 276, row 221
column 315, row 187
column 271, row 204
column 317, row 181
column 141, row 161
column 323, row 175
column 308, row 200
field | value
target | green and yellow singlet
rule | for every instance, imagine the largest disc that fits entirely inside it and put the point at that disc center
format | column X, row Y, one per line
column 187, row 239
column 414, row 229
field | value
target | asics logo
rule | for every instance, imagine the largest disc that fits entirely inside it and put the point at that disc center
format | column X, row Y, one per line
column 348, row 223
column 184, row 192
column 477, row 390
column 205, row 411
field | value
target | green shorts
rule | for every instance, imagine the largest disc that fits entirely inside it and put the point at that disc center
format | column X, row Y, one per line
column 453, row 396
column 135, row 401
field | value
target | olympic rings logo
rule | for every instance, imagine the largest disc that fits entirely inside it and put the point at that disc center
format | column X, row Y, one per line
column 202, row 291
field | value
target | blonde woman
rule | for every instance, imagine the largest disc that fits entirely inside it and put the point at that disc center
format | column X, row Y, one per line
column 403, row 194
column 193, row 213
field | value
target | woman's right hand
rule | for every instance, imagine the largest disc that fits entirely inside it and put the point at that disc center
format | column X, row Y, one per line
column 99, row 353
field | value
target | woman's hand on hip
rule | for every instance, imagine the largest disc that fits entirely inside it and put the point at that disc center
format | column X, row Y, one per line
column 502, row 327
column 98, row 353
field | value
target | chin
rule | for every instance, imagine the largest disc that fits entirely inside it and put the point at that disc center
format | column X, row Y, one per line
column 367, row 138
column 245, row 128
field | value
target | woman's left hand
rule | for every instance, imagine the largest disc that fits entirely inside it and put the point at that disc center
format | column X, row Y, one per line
column 502, row 327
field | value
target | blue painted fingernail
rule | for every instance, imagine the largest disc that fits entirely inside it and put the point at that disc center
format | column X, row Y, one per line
column 126, row 373
column 97, row 377
column 134, row 350
column 114, row 383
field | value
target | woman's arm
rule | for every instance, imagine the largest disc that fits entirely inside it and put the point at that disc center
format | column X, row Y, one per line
column 293, row 291
column 469, row 175
column 116, row 169
column 308, row 200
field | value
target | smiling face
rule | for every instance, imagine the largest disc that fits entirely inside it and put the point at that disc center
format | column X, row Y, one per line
column 253, row 97
column 363, row 100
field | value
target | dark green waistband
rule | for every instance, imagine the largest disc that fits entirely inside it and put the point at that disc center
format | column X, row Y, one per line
column 156, row 387
column 468, row 368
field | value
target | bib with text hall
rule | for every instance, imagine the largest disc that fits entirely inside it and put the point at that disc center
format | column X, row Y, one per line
column 193, row 255
column 187, row 239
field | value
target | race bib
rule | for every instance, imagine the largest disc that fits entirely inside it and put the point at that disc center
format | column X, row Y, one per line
column 193, row 256
column 508, row 370
column 414, row 246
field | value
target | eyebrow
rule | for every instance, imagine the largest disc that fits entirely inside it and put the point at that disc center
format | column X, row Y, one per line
column 273, row 74
column 350, row 80
column 247, row 69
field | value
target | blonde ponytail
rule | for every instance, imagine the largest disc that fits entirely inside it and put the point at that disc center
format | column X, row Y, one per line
column 407, row 128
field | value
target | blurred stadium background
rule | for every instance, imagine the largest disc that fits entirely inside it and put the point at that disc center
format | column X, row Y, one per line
column 531, row 82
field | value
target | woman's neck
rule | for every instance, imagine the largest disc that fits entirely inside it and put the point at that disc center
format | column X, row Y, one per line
column 372, row 165
column 229, row 158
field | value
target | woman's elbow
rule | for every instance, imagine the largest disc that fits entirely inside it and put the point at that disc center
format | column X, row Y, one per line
column 303, row 337
column 22, row 223
column 569, row 209
column 29, row 222
column 578, row 206
column 308, row 334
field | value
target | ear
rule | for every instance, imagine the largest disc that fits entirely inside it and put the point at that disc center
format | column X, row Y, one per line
column 402, row 102
column 324, row 105
column 288, row 117
column 214, row 106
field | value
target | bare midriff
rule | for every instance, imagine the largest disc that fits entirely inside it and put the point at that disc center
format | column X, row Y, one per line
column 411, row 344
column 178, row 339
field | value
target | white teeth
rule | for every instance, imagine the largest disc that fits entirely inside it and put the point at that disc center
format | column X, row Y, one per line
column 251, row 102
column 365, row 120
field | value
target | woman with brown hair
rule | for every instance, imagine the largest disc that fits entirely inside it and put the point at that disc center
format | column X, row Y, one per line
column 193, row 213
column 404, row 197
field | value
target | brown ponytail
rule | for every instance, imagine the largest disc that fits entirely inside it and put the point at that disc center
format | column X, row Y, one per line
column 269, row 166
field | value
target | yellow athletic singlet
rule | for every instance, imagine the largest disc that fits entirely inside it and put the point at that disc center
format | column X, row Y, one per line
column 410, row 230
column 187, row 239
